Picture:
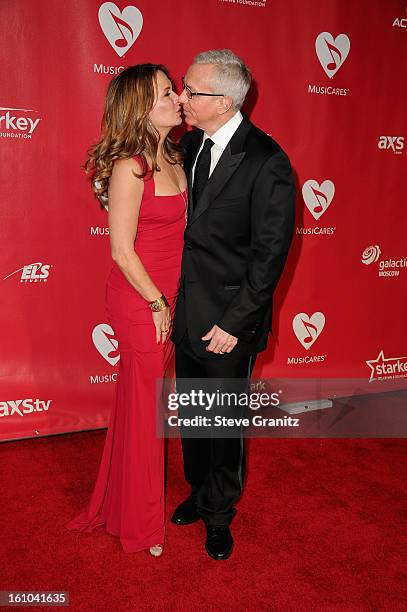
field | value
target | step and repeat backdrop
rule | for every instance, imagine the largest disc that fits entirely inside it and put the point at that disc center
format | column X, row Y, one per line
column 329, row 86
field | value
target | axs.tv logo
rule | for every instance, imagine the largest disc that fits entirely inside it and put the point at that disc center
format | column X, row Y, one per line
column 392, row 143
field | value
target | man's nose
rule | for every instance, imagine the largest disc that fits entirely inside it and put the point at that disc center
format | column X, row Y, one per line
column 183, row 98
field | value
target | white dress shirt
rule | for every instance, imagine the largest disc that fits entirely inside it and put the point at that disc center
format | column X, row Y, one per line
column 220, row 139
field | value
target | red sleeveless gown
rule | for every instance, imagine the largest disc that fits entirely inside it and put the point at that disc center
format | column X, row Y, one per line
column 128, row 497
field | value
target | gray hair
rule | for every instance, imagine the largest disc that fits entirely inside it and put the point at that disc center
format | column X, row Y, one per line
column 231, row 76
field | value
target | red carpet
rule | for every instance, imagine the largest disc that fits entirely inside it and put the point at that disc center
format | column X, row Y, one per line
column 319, row 527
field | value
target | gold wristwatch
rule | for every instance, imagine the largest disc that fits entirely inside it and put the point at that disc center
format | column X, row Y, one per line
column 159, row 304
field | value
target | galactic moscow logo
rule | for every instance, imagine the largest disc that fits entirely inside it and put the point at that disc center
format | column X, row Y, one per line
column 386, row 267
column 332, row 53
column 18, row 123
column 32, row 273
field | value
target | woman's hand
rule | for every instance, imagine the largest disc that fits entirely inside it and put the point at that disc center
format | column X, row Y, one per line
column 162, row 322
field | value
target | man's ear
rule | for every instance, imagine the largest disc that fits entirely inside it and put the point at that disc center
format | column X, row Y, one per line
column 225, row 104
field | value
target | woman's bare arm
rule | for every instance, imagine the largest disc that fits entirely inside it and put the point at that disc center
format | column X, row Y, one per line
column 125, row 194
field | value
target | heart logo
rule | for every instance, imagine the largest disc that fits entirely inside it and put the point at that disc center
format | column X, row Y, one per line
column 307, row 329
column 120, row 28
column 332, row 53
column 105, row 342
column 318, row 197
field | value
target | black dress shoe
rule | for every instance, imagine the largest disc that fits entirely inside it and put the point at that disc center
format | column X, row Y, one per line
column 219, row 541
column 186, row 513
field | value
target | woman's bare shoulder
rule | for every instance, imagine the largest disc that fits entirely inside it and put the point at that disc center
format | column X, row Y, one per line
column 127, row 165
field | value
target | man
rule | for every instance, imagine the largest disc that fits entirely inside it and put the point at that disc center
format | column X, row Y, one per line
column 239, row 229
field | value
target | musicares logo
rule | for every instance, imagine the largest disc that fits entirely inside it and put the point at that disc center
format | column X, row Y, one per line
column 318, row 197
column 332, row 52
column 105, row 342
column 120, row 28
column 32, row 273
column 307, row 329
column 387, row 368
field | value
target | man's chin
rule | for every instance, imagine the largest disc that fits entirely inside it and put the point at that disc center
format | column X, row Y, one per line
column 189, row 120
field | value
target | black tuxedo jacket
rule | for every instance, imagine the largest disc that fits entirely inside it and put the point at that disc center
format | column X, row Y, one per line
column 236, row 241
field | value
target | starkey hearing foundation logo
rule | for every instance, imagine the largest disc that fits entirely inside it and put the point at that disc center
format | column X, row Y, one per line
column 18, row 123
column 121, row 28
column 32, row 273
column 385, row 267
column 387, row 368
column 332, row 54
column 106, row 344
column 317, row 197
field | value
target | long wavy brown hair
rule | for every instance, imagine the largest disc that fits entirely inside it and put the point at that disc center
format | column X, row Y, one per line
column 126, row 129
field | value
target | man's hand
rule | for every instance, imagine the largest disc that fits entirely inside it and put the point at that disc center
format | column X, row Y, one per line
column 220, row 341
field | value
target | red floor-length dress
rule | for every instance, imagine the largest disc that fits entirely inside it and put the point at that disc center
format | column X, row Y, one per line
column 128, row 497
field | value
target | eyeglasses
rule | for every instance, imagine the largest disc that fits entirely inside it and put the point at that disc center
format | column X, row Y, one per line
column 191, row 94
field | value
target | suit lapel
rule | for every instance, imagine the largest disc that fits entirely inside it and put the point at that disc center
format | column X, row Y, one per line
column 227, row 165
column 224, row 169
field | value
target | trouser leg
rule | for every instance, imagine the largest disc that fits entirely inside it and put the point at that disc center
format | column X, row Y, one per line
column 214, row 466
column 224, row 481
column 196, row 451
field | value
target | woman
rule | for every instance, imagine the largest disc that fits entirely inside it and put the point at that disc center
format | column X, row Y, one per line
column 139, row 168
